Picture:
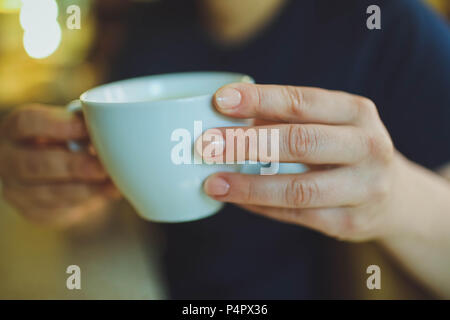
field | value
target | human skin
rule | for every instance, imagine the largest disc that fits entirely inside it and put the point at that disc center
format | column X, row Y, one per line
column 359, row 187
column 41, row 177
column 53, row 186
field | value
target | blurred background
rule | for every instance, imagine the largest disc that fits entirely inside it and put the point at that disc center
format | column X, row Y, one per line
column 64, row 63
column 57, row 68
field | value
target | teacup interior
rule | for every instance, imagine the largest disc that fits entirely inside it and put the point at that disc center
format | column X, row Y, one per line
column 163, row 87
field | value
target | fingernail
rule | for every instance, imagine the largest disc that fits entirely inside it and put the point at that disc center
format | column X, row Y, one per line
column 216, row 186
column 228, row 98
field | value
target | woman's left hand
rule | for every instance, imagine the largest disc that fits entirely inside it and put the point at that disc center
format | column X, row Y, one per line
column 350, row 191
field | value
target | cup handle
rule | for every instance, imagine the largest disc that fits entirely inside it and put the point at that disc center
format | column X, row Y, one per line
column 74, row 107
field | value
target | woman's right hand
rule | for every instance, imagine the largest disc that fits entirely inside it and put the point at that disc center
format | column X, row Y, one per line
column 41, row 177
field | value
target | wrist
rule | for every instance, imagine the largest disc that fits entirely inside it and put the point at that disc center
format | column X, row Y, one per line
column 419, row 200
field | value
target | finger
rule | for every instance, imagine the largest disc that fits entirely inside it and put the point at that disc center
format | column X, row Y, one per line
column 263, row 122
column 292, row 104
column 58, row 204
column 331, row 221
column 53, row 124
column 306, row 143
column 53, row 195
column 58, row 215
column 90, row 210
column 50, row 165
column 331, row 188
column 111, row 192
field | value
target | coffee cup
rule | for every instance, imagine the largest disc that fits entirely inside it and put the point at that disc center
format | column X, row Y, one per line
column 138, row 127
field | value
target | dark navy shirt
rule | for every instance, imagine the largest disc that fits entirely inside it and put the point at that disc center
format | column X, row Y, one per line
column 404, row 68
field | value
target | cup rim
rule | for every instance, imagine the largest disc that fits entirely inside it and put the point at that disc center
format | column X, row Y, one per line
column 84, row 100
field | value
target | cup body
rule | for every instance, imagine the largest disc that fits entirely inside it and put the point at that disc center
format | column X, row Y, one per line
column 132, row 125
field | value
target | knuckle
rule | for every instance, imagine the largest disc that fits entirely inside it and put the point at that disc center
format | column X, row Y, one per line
column 250, row 195
column 73, row 165
column 364, row 226
column 353, row 228
column 23, row 119
column 20, row 112
column 345, row 224
column 296, row 100
column 379, row 187
column 26, row 165
column 40, row 165
column 81, row 166
column 255, row 94
column 302, row 141
column 365, row 107
column 88, row 167
column 29, row 166
column 380, row 147
column 11, row 121
column 365, row 104
column 301, row 193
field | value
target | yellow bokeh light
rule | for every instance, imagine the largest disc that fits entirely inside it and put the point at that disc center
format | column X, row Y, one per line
column 38, row 13
column 10, row 6
column 42, row 33
column 42, row 43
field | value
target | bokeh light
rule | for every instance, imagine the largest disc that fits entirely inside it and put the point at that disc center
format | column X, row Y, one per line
column 42, row 33
column 9, row 6
column 42, row 43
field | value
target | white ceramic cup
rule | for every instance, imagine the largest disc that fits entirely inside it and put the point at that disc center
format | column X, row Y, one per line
column 131, row 123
